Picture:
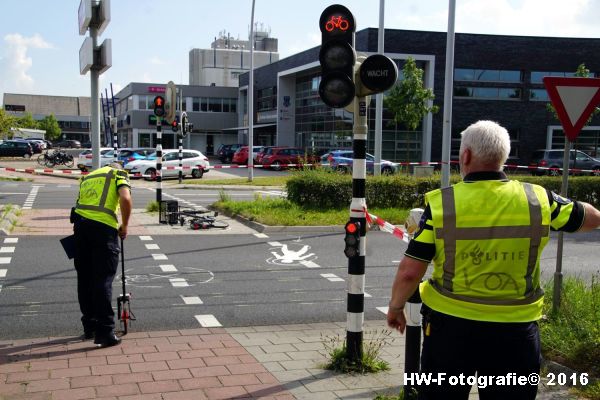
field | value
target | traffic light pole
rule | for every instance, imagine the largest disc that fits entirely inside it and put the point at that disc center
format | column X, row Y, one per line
column 158, row 160
column 356, row 264
column 180, row 157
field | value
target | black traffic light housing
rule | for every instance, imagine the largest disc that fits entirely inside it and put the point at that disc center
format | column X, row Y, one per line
column 337, row 56
column 159, row 106
column 175, row 126
column 352, row 239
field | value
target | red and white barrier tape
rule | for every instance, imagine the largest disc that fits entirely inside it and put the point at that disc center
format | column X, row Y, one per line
column 384, row 225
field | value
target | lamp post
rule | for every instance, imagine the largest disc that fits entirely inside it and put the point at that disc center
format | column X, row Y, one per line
column 251, row 100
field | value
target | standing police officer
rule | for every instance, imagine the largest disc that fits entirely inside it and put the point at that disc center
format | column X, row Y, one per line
column 485, row 236
column 97, row 233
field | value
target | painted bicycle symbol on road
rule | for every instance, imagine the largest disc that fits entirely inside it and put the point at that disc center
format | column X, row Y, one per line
column 191, row 275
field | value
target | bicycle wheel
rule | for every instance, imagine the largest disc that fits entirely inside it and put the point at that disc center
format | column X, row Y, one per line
column 68, row 161
column 41, row 159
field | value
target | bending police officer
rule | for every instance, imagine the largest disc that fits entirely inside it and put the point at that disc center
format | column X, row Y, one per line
column 485, row 236
column 97, row 232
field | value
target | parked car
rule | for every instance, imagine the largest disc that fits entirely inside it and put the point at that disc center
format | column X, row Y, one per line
column 71, row 144
column 106, row 157
column 129, row 154
column 16, row 148
column 278, row 157
column 341, row 160
column 553, row 159
column 35, row 145
column 87, row 153
column 41, row 142
column 196, row 161
column 225, row 152
column 241, row 155
column 259, row 156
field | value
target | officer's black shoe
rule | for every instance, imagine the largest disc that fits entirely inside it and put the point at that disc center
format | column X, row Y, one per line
column 87, row 336
column 107, row 341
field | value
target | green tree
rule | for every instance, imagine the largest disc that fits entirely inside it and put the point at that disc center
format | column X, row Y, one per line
column 408, row 98
column 27, row 121
column 582, row 72
column 7, row 121
column 50, row 125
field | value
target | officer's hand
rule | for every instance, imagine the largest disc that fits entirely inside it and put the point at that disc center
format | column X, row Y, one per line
column 396, row 320
column 123, row 231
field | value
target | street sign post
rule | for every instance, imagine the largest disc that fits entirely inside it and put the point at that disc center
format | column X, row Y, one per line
column 574, row 100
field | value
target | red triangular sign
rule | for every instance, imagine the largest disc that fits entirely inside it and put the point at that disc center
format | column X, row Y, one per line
column 574, row 100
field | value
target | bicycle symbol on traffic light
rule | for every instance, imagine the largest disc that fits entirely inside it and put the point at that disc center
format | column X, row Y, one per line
column 337, row 22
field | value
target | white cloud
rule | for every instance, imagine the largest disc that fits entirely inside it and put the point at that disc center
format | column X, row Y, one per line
column 15, row 63
column 309, row 41
column 157, row 61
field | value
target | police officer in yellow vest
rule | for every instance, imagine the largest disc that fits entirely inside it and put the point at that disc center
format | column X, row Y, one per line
column 97, row 233
column 484, row 236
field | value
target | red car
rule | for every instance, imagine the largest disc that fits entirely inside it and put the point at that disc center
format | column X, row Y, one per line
column 279, row 157
column 241, row 155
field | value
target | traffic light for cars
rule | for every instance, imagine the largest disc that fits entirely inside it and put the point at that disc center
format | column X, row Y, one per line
column 159, row 106
column 174, row 126
column 337, row 56
column 352, row 239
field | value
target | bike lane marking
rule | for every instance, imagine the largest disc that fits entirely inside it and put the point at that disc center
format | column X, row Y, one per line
column 208, row 321
column 11, row 240
column 7, row 249
column 261, row 235
column 152, row 246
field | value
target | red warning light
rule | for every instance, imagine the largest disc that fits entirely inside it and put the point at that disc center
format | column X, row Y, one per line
column 337, row 22
column 158, row 101
column 351, row 228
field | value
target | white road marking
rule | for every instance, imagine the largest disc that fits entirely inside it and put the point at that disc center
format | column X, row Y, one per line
column 192, row 300
column 261, row 235
column 11, row 240
column 0, row 288
column 367, row 294
column 332, row 277
column 383, row 309
column 3, row 273
column 275, row 244
column 9, row 193
column 310, row 264
column 168, row 268
column 208, row 321
column 145, row 238
column 5, row 260
column 7, row 249
column 160, row 257
column 64, row 186
column 152, row 246
column 178, row 282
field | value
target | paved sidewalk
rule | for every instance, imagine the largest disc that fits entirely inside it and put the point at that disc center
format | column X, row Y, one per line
column 269, row 362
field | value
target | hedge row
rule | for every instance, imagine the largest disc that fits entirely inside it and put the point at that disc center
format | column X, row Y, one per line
column 326, row 190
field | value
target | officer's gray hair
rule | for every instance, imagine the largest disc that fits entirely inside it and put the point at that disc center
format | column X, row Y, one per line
column 116, row 165
column 489, row 142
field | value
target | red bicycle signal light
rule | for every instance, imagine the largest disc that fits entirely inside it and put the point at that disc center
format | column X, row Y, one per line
column 352, row 239
column 174, row 126
column 159, row 106
column 337, row 22
column 351, row 227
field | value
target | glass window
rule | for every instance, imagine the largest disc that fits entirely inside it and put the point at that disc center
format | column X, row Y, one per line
column 487, row 93
column 142, row 102
column 536, row 76
column 204, row 104
column 214, row 105
column 487, row 75
column 538, row 95
column 233, row 105
column 196, row 104
column 226, row 103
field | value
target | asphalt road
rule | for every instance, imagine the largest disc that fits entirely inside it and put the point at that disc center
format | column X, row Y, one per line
column 188, row 281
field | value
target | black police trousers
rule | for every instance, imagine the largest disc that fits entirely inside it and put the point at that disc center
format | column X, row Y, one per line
column 96, row 261
column 496, row 354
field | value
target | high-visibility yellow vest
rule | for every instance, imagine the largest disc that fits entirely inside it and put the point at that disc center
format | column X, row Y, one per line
column 98, row 195
column 489, row 237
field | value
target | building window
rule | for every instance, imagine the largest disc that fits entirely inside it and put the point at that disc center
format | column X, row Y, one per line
column 487, row 75
column 196, row 104
column 537, row 76
column 214, row 105
column 538, row 95
column 486, row 93
column 204, row 104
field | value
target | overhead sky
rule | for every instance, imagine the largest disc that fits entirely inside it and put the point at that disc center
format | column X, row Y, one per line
column 151, row 39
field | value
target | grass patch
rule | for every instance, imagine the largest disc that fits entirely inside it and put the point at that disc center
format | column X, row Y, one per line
column 15, row 179
column 258, row 181
column 335, row 347
column 152, row 206
column 282, row 212
column 572, row 335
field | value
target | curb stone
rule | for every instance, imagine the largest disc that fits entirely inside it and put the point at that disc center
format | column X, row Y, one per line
column 8, row 220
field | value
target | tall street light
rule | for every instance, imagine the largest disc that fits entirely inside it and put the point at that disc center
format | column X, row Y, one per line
column 251, row 100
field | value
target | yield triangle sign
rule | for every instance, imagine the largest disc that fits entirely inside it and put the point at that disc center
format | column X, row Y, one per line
column 574, row 100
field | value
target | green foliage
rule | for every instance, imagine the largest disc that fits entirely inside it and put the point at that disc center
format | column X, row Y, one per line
column 327, row 190
column 26, row 121
column 152, row 206
column 7, row 121
column 372, row 344
column 408, row 98
column 582, row 72
column 50, row 125
column 571, row 336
